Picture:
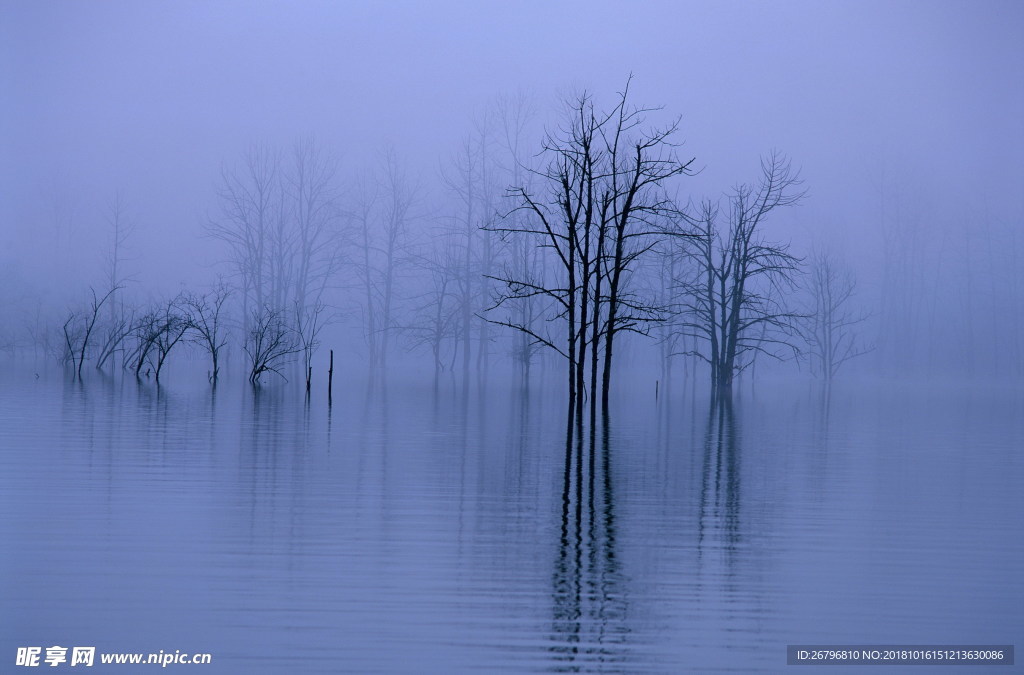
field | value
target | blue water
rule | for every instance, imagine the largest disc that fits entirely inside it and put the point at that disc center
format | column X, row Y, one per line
column 408, row 529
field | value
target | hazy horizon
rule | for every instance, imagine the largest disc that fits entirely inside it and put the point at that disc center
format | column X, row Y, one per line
column 903, row 118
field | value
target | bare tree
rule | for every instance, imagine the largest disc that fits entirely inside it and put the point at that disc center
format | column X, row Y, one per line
column 400, row 195
column 831, row 320
column 269, row 343
column 733, row 298
column 309, row 322
column 310, row 186
column 121, row 229
column 634, row 209
column 315, row 215
column 250, row 223
column 527, row 262
column 117, row 329
column 472, row 178
column 71, row 338
column 465, row 184
column 664, row 274
column 206, row 318
column 366, row 267
column 523, row 259
column 156, row 332
column 79, row 328
column 85, row 332
column 145, row 332
column 383, row 215
column 173, row 325
column 281, row 219
column 597, row 215
column 435, row 321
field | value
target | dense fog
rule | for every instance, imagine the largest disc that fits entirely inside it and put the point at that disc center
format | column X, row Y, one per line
column 818, row 189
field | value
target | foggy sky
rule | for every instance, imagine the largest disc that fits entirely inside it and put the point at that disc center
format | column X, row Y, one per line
column 151, row 98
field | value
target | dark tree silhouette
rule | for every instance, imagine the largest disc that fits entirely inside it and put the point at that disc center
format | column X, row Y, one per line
column 156, row 332
column 206, row 318
column 269, row 344
column 173, row 324
column 79, row 328
column 732, row 301
column 117, row 329
column 596, row 212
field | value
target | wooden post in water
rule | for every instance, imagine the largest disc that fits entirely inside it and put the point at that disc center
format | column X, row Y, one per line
column 330, row 379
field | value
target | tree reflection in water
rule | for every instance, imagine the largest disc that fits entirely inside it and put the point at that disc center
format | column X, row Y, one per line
column 589, row 592
column 720, row 483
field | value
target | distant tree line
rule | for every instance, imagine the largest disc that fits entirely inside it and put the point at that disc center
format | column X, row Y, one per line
column 543, row 253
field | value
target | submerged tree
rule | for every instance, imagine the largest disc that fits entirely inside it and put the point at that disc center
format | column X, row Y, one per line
column 79, row 328
column 145, row 330
column 309, row 322
column 314, row 215
column 472, row 179
column 117, row 326
column 269, row 343
column 280, row 219
column 831, row 320
column 383, row 213
column 174, row 323
column 733, row 300
column 596, row 211
column 121, row 229
column 251, row 205
column 206, row 317
column 521, row 257
column 115, row 331
column 435, row 321
column 156, row 332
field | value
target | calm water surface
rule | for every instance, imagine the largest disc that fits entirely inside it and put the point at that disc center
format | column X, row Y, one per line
column 405, row 530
